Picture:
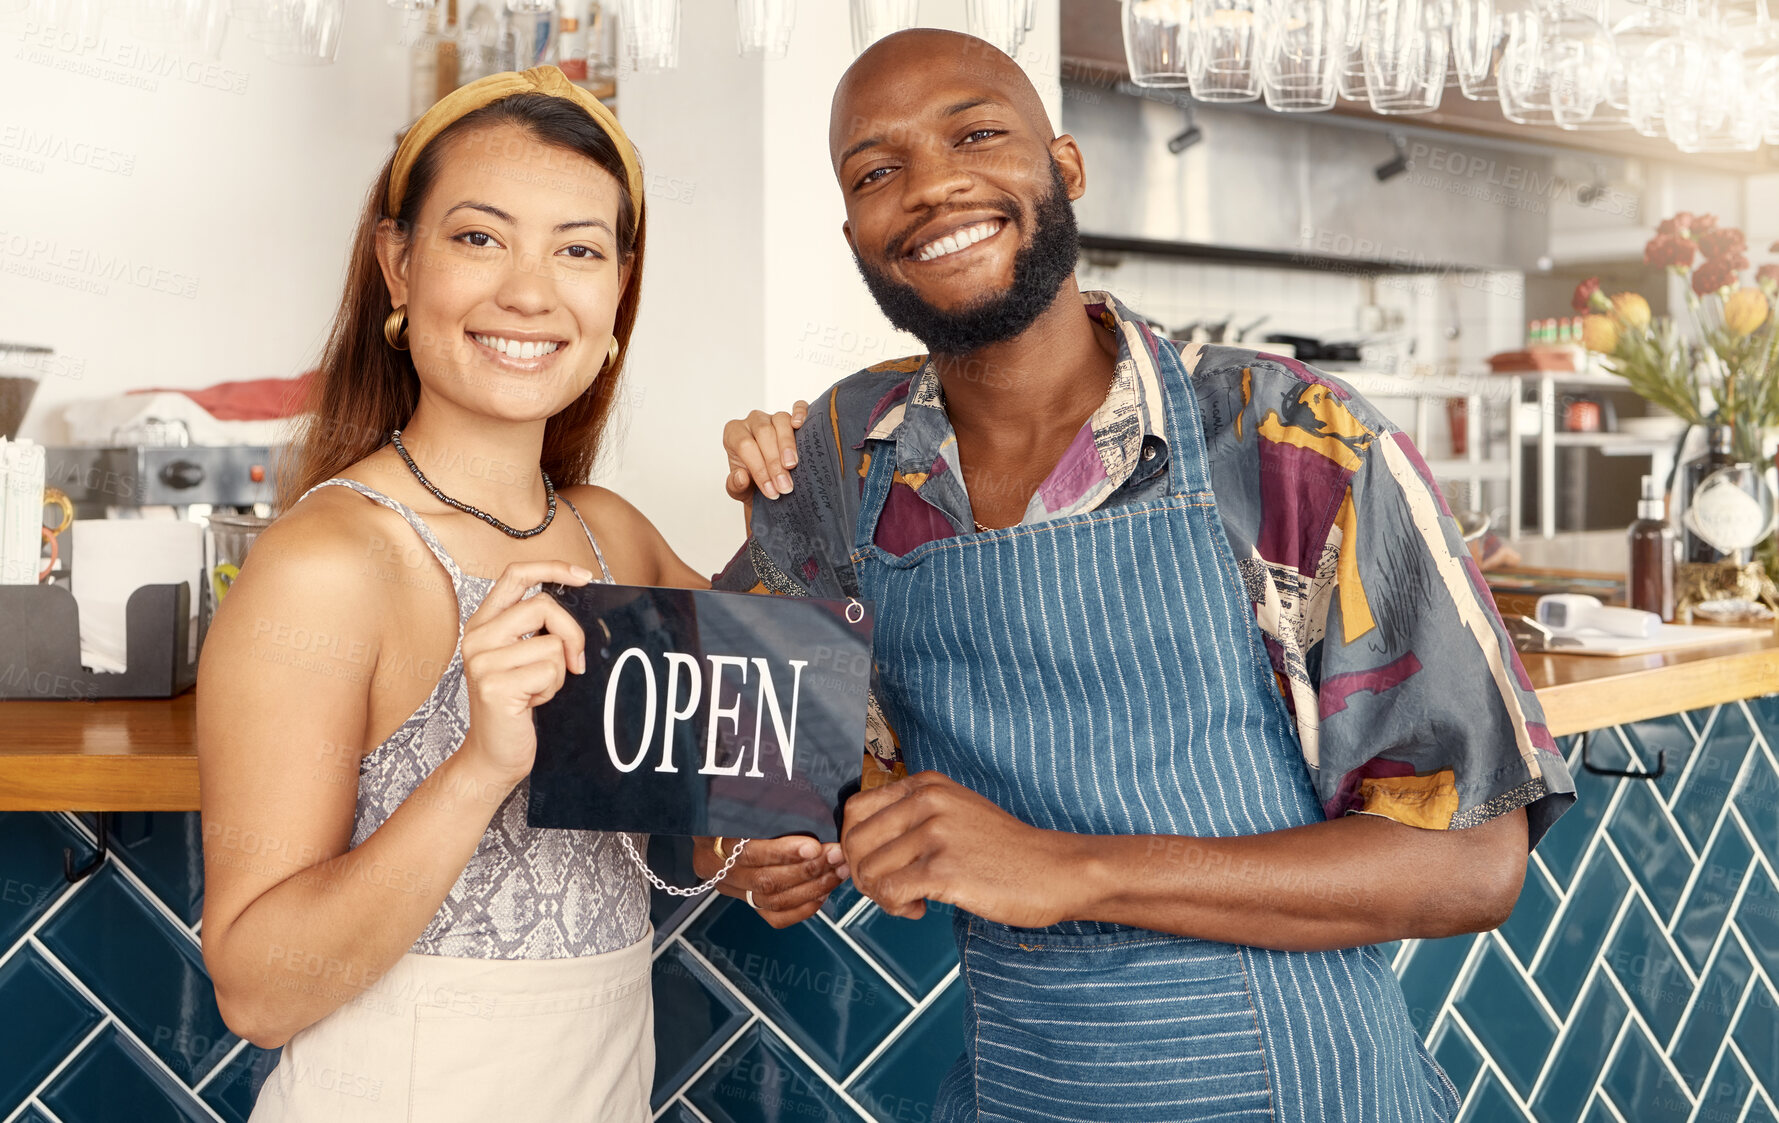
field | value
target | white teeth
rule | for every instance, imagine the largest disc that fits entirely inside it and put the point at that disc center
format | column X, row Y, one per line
column 957, row 240
column 515, row 349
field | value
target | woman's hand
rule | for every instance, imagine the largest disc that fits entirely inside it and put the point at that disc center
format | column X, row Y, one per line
column 762, row 450
column 790, row 877
column 516, row 655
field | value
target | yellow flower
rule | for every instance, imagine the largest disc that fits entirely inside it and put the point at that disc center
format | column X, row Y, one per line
column 1631, row 309
column 1599, row 333
column 1744, row 310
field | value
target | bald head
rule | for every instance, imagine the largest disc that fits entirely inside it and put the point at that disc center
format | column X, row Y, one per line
column 957, row 189
column 925, row 71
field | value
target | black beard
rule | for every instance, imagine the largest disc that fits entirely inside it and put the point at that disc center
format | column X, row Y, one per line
column 1039, row 270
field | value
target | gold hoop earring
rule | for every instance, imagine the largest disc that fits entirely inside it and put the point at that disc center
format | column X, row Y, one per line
column 611, row 354
column 395, row 327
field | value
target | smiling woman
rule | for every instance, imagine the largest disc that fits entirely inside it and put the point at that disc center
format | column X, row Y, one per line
column 395, row 917
column 524, row 140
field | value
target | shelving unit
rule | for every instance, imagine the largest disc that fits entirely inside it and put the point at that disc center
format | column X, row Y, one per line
column 1482, row 390
column 1546, row 440
column 1473, row 467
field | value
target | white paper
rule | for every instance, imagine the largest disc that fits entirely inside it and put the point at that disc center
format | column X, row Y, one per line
column 5, row 479
column 115, row 557
column 1667, row 638
column 21, row 516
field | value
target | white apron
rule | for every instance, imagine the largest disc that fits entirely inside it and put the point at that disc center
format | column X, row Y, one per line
column 441, row 1038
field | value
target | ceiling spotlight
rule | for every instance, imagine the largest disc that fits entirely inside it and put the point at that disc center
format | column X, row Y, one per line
column 1589, row 193
column 1188, row 136
column 1396, row 164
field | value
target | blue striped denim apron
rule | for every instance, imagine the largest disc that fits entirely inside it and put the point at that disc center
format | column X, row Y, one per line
column 1104, row 674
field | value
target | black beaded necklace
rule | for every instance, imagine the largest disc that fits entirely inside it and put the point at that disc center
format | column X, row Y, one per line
column 395, row 436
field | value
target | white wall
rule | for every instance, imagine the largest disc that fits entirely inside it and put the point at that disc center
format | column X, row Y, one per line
column 696, row 354
column 175, row 221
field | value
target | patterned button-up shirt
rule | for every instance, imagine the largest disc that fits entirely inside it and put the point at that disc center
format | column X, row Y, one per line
column 1408, row 697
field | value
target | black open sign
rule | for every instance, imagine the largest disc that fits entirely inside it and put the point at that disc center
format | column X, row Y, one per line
column 704, row 713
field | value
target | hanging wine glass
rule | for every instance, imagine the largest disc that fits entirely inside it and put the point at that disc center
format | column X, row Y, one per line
column 1764, row 89
column 763, row 27
column 1524, row 78
column 1581, row 58
column 1224, row 41
column 650, row 29
column 1479, row 38
column 1759, row 38
column 1350, row 81
column 194, row 26
column 1000, row 22
column 304, row 32
column 1405, row 56
column 1708, row 106
column 1646, row 85
column 1157, row 34
column 1302, row 52
column 873, row 19
column 1642, row 42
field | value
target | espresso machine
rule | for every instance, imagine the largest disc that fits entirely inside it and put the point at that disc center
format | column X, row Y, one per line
column 119, row 481
column 145, row 475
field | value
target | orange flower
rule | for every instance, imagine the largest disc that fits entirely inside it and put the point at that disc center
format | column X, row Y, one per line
column 1599, row 333
column 1631, row 309
column 1745, row 310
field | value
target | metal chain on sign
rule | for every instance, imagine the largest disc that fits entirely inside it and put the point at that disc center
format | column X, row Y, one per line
column 630, row 849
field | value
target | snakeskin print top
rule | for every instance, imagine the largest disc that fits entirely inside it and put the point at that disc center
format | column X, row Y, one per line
column 527, row 893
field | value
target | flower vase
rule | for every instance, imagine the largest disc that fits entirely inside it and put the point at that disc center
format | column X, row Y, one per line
column 1724, row 511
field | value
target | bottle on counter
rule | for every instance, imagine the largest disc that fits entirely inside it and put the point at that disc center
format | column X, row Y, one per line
column 445, row 70
column 423, row 66
column 1728, row 507
column 479, row 54
column 571, row 39
column 1649, row 582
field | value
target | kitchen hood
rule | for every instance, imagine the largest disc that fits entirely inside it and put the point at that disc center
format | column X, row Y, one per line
column 1280, row 189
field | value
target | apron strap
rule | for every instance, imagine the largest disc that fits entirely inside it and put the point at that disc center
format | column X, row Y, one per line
column 878, row 476
column 1188, row 464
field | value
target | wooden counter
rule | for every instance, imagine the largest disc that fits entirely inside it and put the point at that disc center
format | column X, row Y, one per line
column 1581, row 692
column 139, row 755
column 118, row 755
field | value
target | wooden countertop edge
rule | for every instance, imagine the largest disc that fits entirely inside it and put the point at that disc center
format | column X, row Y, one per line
column 1650, row 692
column 99, row 782
column 119, row 772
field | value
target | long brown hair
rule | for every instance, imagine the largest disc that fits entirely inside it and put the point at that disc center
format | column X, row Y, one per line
column 363, row 387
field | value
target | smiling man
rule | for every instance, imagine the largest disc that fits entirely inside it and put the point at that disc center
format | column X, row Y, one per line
column 1201, row 693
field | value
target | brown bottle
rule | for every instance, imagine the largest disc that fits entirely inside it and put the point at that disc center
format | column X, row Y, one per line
column 1650, row 584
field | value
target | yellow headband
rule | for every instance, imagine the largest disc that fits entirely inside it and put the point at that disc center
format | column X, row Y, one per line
column 467, row 99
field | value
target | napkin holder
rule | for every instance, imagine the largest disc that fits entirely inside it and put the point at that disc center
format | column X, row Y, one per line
column 40, row 645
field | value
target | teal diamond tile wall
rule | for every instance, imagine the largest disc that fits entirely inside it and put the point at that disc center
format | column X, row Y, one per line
column 1634, row 982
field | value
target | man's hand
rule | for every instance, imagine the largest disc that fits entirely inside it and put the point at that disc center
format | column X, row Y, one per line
column 929, row 838
column 762, row 450
column 790, row 877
